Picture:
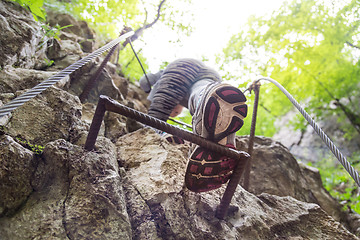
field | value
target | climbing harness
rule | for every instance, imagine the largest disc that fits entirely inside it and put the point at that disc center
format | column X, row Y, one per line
column 256, row 88
column 19, row 101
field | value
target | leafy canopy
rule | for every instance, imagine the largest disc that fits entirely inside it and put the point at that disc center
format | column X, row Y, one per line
column 311, row 48
column 108, row 17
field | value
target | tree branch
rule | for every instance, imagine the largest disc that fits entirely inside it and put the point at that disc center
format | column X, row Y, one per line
column 157, row 17
column 139, row 31
column 350, row 115
column 352, row 45
column 268, row 110
column 132, row 59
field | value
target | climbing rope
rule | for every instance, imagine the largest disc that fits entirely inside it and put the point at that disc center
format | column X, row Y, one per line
column 19, row 101
column 319, row 131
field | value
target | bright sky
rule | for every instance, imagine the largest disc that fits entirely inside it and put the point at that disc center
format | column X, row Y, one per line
column 214, row 23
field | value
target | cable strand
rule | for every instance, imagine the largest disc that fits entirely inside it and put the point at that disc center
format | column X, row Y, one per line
column 341, row 158
column 19, row 101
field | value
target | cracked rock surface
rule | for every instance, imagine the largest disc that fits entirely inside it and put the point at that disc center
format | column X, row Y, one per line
column 170, row 211
column 76, row 195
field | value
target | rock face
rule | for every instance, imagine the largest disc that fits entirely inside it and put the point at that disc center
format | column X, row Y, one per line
column 17, row 167
column 104, row 86
column 275, row 171
column 20, row 36
column 308, row 146
column 77, row 194
column 77, row 31
column 16, row 79
column 52, row 115
column 131, row 186
column 158, row 178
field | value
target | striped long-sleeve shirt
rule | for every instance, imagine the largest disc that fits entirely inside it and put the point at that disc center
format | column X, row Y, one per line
column 173, row 85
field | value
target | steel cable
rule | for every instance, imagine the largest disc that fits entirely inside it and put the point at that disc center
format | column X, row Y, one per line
column 17, row 102
column 342, row 159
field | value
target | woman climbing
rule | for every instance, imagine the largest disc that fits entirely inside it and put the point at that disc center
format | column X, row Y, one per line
column 218, row 110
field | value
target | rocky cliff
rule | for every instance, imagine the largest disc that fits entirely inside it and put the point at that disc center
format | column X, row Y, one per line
column 132, row 185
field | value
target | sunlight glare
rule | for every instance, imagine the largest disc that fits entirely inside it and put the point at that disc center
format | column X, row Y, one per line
column 214, row 23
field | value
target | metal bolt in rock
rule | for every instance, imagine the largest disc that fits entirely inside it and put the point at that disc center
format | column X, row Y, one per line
column 256, row 88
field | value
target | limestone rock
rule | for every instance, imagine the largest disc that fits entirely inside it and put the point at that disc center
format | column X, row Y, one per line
column 15, row 79
column 20, row 36
column 155, row 180
column 87, row 45
column 119, row 80
column 17, row 165
column 63, row 54
column 85, row 35
column 88, row 111
column 151, row 157
column 52, row 115
column 275, row 171
column 78, row 195
column 115, row 126
column 57, row 51
column 323, row 198
column 103, row 86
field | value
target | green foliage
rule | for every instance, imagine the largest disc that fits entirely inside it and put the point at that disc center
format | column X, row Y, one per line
column 184, row 117
column 53, row 32
column 37, row 149
column 48, row 62
column 339, row 183
column 35, row 6
column 311, row 48
column 130, row 66
column 108, row 18
column 50, row 33
column 263, row 115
